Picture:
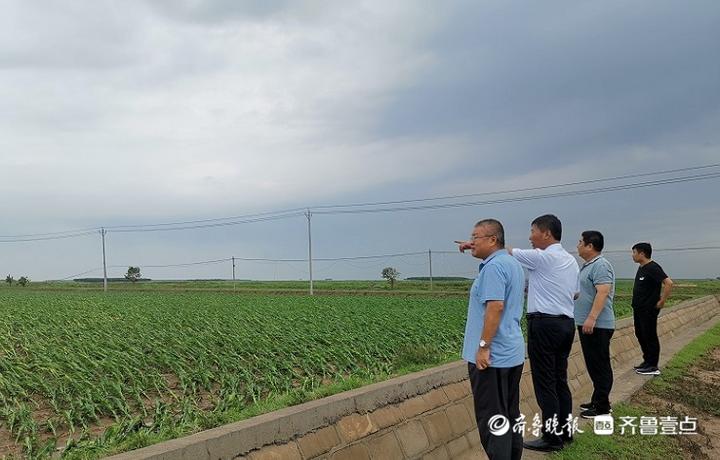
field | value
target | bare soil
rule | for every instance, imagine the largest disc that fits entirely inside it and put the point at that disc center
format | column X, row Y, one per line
column 695, row 395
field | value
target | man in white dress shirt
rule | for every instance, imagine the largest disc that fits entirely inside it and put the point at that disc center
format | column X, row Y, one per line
column 552, row 285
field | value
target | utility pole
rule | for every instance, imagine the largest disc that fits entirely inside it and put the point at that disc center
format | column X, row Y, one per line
column 102, row 233
column 308, row 214
column 233, row 262
column 430, row 264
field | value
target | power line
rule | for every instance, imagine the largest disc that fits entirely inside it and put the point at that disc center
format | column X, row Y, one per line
column 51, row 233
column 527, row 189
column 218, row 224
column 80, row 274
column 295, row 212
column 187, row 264
column 531, row 197
column 46, row 238
column 381, row 256
column 375, row 256
column 289, row 212
column 382, row 206
column 255, row 259
column 366, row 257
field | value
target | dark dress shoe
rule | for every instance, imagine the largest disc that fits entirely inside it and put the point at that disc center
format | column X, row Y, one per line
column 587, row 406
column 542, row 445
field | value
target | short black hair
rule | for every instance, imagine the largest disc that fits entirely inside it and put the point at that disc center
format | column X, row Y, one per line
column 497, row 229
column 645, row 248
column 595, row 238
column 551, row 223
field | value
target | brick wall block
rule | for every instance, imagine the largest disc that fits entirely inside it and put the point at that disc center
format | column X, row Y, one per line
column 413, row 407
column 357, row 451
column 413, row 438
column 355, row 426
column 386, row 416
column 436, row 398
column 438, row 454
column 460, row 421
column 318, row 442
column 384, row 446
column 287, row 451
column 437, row 427
column 457, row 390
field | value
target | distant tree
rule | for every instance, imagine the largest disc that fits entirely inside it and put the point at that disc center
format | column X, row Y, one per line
column 23, row 281
column 133, row 274
column 9, row 280
column 390, row 274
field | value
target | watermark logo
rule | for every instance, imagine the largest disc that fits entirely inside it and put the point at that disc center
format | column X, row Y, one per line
column 604, row 425
column 650, row 426
column 499, row 425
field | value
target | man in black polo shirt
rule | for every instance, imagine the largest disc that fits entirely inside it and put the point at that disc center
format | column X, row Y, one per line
column 651, row 289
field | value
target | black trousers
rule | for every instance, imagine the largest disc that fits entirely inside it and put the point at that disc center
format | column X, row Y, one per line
column 596, row 351
column 496, row 391
column 645, row 319
column 550, row 339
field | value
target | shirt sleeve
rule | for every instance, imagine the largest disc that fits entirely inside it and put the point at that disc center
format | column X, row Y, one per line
column 603, row 275
column 657, row 273
column 493, row 284
column 528, row 258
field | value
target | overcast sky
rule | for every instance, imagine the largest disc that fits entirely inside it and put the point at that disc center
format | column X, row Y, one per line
column 125, row 113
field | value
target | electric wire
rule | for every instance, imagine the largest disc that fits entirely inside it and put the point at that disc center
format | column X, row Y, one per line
column 529, row 197
column 527, row 189
column 385, row 206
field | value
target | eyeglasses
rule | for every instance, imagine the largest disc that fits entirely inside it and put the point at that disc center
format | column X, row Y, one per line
column 473, row 237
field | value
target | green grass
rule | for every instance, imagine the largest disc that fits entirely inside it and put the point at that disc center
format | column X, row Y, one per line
column 589, row 445
column 677, row 383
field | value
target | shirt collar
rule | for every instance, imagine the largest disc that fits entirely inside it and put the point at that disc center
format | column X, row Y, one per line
column 490, row 257
column 593, row 260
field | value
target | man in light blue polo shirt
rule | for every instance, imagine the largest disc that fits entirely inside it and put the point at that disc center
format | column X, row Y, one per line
column 595, row 320
column 494, row 346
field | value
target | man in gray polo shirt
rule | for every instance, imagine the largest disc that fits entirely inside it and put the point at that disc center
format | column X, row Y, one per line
column 595, row 320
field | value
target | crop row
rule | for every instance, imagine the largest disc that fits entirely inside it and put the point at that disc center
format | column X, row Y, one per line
column 73, row 362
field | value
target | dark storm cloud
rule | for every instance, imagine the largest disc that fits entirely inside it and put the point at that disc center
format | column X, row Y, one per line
column 557, row 81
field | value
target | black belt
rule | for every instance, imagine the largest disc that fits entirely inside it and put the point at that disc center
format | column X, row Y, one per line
column 538, row 314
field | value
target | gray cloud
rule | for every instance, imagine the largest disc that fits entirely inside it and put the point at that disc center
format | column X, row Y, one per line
column 557, row 82
column 219, row 11
column 163, row 111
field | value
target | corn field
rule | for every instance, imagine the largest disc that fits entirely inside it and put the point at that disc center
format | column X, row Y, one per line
column 84, row 374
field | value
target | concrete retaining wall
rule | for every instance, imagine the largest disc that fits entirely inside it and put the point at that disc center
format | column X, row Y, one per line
column 426, row 415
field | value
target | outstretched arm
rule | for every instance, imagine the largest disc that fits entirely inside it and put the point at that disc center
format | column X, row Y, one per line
column 463, row 245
